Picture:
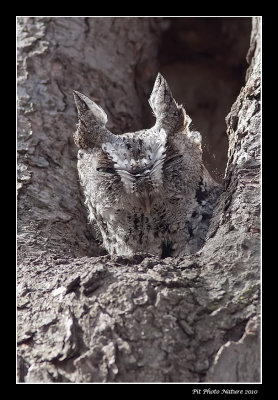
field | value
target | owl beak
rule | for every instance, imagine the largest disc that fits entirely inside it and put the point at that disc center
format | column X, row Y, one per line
column 148, row 205
column 146, row 202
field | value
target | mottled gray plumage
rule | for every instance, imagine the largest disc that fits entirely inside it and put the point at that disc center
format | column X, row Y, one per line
column 146, row 191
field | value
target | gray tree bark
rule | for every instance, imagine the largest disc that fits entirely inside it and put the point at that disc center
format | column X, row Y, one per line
column 82, row 315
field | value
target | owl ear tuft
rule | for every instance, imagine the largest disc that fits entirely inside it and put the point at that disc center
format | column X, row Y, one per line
column 91, row 131
column 86, row 106
column 169, row 115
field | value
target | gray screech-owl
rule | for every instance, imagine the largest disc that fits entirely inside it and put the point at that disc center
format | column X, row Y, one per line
column 146, row 191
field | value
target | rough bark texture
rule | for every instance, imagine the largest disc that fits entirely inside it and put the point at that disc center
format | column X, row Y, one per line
column 102, row 56
column 83, row 317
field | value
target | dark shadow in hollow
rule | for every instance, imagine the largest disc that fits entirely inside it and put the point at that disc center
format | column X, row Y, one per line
column 204, row 61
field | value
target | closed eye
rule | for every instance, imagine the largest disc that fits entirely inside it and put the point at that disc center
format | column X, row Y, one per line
column 172, row 159
column 106, row 170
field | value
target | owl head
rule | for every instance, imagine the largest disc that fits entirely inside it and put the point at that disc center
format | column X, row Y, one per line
column 146, row 163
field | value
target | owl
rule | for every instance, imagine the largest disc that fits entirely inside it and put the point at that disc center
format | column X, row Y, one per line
column 146, row 191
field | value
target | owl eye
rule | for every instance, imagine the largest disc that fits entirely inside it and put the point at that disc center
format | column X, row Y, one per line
column 106, row 170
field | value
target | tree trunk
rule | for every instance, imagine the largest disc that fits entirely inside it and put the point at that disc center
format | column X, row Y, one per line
column 82, row 315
